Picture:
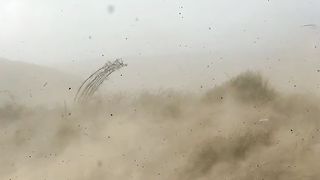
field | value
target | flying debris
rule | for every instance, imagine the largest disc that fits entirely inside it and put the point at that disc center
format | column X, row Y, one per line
column 313, row 26
column 94, row 81
column 264, row 120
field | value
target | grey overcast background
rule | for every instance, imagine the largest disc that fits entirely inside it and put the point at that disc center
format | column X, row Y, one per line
column 180, row 43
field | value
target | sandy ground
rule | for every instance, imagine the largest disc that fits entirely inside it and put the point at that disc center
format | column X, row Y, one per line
column 243, row 129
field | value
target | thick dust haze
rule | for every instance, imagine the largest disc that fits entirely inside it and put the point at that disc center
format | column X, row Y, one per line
column 224, row 90
column 242, row 129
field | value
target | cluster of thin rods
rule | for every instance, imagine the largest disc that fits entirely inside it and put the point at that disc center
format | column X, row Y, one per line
column 94, row 81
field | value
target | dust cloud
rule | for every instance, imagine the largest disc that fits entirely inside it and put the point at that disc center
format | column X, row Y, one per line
column 243, row 129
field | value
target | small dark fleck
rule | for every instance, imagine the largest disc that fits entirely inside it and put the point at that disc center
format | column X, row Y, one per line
column 111, row 114
column 69, row 88
column 99, row 163
column 110, row 9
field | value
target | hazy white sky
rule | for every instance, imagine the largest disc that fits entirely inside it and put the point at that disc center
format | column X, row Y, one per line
column 172, row 41
column 54, row 31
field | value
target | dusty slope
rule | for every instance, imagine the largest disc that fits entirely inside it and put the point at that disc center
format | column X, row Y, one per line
column 34, row 84
column 241, row 130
